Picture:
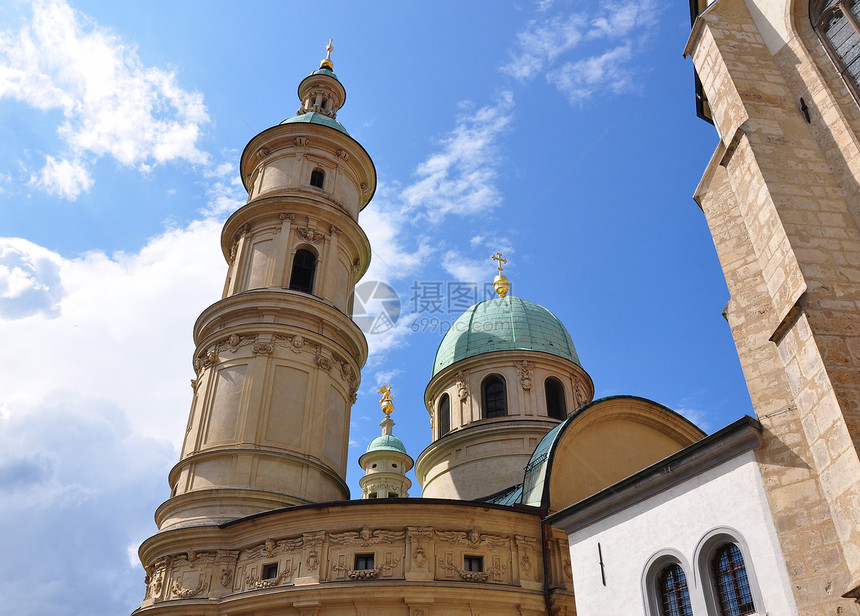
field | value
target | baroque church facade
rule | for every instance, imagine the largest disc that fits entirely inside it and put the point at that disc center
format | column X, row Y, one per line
column 538, row 499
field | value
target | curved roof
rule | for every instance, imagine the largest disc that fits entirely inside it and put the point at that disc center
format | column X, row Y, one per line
column 313, row 117
column 386, row 443
column 504, row 324
column 592, row 460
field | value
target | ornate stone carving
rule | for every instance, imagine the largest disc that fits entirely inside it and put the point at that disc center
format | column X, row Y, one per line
column 366, row 536
column 472, row 538
column 353, row 395
column 343, row 154
column 205, row 361
column 470, row 576
column 462, row 387
column 254, row 581
column 262, row 153
column 367, row 574
column 323, row 362
column 262, row 348
column 335, row 231
column 310, row 235
column 525, row 369
column 186, row 593
column 285, row 216
column 300, row 141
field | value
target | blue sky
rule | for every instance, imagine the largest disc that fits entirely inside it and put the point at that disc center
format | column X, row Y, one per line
column 560, row 133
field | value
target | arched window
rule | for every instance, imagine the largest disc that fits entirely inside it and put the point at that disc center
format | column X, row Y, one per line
column 317, row 178
column 444, row 415
column 837, row 23
column 730, row 581
column 494, row 396
column 304, row 268
column 555, row 404
column 672, row 591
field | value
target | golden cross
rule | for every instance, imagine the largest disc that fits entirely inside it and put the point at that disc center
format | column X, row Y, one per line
column 498, row 257
column 329, row 49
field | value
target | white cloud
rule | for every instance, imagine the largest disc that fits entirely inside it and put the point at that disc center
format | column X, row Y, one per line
column 571, row 50
column 111, row 103
column 624, row 18
column 102, row 324
column 581, row 79
column 460, row 178
column 543, row 41
column 64, row 178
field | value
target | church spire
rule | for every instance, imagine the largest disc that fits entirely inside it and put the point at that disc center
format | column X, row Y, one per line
column 501, row 283
column 327, row 63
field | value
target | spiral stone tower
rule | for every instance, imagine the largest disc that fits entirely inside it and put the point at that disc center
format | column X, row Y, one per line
column 278, row 356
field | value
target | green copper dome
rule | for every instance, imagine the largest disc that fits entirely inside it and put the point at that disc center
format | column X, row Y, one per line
column 386, row 443
column 504, row 324
column 313, row 117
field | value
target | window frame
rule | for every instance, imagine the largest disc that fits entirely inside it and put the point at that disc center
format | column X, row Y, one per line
column 650, row 577
column 704, row 556
column 313, row 276
column 444, row 423
column 364, row 559
column 561, row 395
column 317, row 173
column 818, row 17
column 486, row 383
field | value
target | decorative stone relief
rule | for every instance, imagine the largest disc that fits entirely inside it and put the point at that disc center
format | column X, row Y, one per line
column 262, row 348
column 343, row 154
column 525, row 369
column 419, row 537
column 203, row 361
column 471, row 576
column 253, row 581
column 335, row 231
column 367, row 574
column 262, row 153
column 185, row 593
column 471, row 538
column 285, row 216
column 462, row 387
column 310, row 235
column 365, row 537
column 301, row 141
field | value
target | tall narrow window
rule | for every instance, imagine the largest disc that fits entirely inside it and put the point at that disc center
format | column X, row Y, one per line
column 444, row 415
column 730, row 581
column 555, row 404
column 494, row 396
column 317, row 178
column 837, row 23
column 673, row 592
column 304, row 268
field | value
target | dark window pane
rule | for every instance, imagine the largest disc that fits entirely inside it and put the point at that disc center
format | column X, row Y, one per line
column 555, row 404
column 363, row 562
column 444, row 415
column 302, row 276
column 495, row 397
column 317, row 178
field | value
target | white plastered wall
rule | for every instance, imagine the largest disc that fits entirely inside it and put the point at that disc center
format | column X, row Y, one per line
column 676, row 520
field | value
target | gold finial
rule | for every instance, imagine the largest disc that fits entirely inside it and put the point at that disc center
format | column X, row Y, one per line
column 501, row 283
column 327, row 63
column 386, row 403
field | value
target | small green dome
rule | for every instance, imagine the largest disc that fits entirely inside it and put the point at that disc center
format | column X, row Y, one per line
column 504, row 324
column 317, row 118
column 386, row 443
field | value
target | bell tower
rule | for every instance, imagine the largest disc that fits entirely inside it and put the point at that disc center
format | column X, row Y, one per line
column 277, row 358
